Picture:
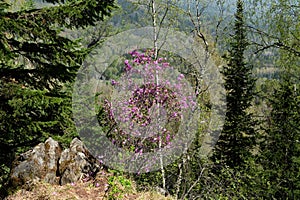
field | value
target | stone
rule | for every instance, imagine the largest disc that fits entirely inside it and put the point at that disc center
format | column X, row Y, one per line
column 37, row 164
column 49, row 163
column 76, row 163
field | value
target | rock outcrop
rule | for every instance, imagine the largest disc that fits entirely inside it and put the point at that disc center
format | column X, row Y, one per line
column 76, row 162
column 49, row 163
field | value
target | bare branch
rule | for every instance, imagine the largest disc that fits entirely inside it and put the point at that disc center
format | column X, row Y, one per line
column 277, row 44
column 194, row 184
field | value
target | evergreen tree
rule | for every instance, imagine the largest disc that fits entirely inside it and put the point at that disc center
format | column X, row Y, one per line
column 280, row 148
column 237, row 136
column 279, row 155
column 37, row 68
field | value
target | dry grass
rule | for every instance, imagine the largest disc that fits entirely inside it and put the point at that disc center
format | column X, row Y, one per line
column 90, row 190
column 74, row 191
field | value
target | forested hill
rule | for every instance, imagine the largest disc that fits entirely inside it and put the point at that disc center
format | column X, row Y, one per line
column 216, row 21
column 231, row 115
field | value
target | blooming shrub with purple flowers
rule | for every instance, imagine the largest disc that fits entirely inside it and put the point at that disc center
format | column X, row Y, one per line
column 147, row 109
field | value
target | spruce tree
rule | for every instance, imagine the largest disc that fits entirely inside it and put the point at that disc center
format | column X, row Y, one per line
column 279, row 155
column 37, row 68
column 237, row 136
column 280, row 148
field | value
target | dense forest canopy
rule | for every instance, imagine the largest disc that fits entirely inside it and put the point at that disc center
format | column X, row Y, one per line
column 255, row 45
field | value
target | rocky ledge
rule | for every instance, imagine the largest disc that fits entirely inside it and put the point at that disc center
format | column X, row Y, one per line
column 47, row 162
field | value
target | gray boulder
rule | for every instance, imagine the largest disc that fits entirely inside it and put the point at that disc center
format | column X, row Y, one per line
column 76, row 163
column 47, row 162
column 37, row 164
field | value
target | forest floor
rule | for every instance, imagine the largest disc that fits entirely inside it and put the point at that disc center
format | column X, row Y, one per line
column 94, row 189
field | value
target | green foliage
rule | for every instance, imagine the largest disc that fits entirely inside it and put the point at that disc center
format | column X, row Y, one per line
column 279, row 156
column 37, row 67
column 279, row 147
column 38, row 63
column 118, row 186
column 237, row 137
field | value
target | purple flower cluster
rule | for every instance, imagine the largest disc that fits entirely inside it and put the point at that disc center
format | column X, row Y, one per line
column 153, row 100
